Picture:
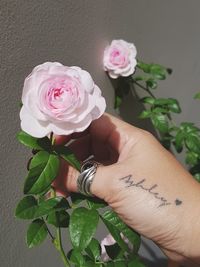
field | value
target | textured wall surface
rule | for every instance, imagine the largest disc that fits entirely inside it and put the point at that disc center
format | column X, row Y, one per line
column 75, row 33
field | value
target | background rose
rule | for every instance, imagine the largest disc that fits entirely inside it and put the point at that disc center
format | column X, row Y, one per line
column 120, row 58
column 59, row 99
column 109, row 241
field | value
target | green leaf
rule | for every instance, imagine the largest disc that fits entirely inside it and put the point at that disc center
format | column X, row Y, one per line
column 52, row 204
column 76, row 258
column 192, row 142
column 174, row 106
column 133, row 237
column 59, row 218
column 36, row 233
column 189, row 127
column 144, row 66
column 82, row 226
column 160, row 122
column 179, row 140
column 171, row 103
column 118, row 101
column 96, row 203
column 151, row 83
column 136, row 263
column 40, row 157
column 32, row 142
column 40, row 177
column 192, row 158
column 113, row 251
column 139, row 78
column 159, row 110
column 159, row 72
column 197, row 176
column 94, row 250
column 197, row 96
column 26, row 208
column 148, row 100
column 116, row 234
column 77, row 198
column 145, row 114
column 69, row 156
column 116, row 264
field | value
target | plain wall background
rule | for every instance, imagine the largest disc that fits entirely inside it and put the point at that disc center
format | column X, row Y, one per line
column 75, row 33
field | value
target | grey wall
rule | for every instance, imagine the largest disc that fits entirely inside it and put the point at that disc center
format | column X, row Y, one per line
column 75, row 33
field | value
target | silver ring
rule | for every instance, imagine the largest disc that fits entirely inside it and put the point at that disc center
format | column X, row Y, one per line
column 84, row 181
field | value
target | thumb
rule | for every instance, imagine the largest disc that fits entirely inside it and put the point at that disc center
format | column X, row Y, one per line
column 102, row 184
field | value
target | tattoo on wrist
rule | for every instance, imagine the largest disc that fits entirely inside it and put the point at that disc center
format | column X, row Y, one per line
column 130, row 182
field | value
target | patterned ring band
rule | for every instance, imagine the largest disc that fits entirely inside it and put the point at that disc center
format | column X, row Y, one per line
column 84, row 181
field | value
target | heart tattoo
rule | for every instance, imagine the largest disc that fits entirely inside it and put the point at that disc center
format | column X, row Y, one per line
column 178, row 202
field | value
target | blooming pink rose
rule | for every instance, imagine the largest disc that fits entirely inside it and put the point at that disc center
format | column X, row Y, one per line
column 120, row 58
column 59, row 99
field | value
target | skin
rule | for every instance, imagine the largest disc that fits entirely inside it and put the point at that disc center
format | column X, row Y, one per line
column 147, row 187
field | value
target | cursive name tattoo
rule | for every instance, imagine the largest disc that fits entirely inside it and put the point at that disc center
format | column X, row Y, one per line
column 130, row 182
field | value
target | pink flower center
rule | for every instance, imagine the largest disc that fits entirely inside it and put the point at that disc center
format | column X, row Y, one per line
column 58, row 95
column 119, row 57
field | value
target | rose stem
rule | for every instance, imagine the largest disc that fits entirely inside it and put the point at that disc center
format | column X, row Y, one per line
column 58, row 240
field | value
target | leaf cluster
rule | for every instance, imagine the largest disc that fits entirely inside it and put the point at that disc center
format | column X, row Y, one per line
column 79, row 214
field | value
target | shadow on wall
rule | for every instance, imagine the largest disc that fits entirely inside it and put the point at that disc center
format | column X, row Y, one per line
column 131, row 106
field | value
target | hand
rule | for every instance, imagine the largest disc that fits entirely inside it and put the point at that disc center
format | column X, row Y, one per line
column 142, row 182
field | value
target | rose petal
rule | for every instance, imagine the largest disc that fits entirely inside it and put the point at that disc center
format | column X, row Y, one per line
column 32, row 126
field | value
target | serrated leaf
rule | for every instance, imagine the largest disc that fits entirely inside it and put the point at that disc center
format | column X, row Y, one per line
column 59, row 218
column 39, row 178
column 26, row 208
column 36, row 233
column 40, row 157
column 69, row 156
column 94, row 250
column 82, row 226
column 52, row 204
column 133, row 237
column 32, row 142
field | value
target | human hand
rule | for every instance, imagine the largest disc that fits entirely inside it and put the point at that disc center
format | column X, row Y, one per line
column 142, row 182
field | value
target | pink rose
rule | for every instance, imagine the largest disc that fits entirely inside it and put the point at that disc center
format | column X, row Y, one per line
column 59, row 99
column 107, row 241
column 120, row 58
